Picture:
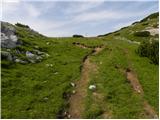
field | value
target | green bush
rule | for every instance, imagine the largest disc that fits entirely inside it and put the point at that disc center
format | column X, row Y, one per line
column 152, row 16
column 78, row 36
column 21, row 25
column 142, row 34
column 150, row 50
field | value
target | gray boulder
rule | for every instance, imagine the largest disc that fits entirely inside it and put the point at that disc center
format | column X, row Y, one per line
column 8, row 36
column 6, row 55
column 20, row 61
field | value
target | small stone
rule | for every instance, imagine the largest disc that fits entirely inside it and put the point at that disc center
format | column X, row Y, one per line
column 138, row 91
column 29, row 54
column 36, row 47
column 56, row 73
column 8, row 50
column 92, row 87
column 73, row 92
column 47, row 55
column 69, row 116
column 73, row 84
column 45, row 98
column 44, row 81
column 47, row 65
column 48, row 43
column 17, row 60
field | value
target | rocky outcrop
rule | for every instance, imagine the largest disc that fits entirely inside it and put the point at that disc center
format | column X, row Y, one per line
column 10, row 46
column 8, row 36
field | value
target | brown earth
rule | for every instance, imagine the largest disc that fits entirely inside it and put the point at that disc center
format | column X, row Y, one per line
column 76, row 101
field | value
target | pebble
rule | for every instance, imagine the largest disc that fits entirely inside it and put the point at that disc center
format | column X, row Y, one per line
column 73, row 92
column 92, row 87
column 73, row 84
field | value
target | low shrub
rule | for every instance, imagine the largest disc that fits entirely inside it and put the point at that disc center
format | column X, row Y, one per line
column 150, row 50
column 21, row 25
column 142, row 34
column 78, row 36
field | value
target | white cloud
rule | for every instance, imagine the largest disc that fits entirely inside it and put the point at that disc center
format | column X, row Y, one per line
column 82, row 6
column 11, row 1
column 77, row 14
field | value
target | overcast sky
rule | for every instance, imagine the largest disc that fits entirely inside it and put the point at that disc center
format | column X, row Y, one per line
column 86, row 17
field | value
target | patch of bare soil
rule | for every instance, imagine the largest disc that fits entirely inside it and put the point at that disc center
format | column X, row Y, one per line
column 76, row 101
column 132, row 78
column 150, row 112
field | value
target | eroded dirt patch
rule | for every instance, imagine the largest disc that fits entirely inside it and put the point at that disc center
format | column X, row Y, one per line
column 76, row 101
column 132, row 78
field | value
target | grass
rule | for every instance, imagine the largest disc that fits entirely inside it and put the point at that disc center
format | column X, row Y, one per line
column 37, row 91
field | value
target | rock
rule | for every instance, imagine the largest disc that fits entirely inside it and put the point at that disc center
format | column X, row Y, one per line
column 92, row 87
column 153, row 31
column 8, row 50
column 49, row 65
column 69, row 116
column 6, row 55
column 29, row 55
column 155, row 116
column 39, row 52
column 39, row 58
column 33, row 58
column 47, row 55
column 56, row 73
column 20, row 61
column 73, row 84
column 44, row 81
column 48, row 43
column 8, row 36
column 36, row 47
column 73, row 92
column 46, row 98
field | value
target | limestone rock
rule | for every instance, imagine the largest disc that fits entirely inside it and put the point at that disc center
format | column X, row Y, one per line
column 92, row 87
column 8, row 36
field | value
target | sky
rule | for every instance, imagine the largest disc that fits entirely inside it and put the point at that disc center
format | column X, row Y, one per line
column 62, row 18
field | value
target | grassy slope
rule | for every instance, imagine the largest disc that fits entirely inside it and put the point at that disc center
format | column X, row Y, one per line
column 36, row 91
column 119, row 99
column 25, row 87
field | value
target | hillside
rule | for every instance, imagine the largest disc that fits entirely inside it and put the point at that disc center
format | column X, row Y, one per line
column 101, row 77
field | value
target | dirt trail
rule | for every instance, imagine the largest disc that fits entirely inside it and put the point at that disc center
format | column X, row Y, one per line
column 133, row 79
column 76, row 106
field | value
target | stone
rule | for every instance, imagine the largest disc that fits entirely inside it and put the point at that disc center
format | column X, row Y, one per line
column 48, row 43
column 8, row 36
column 46, row 98
column 29, row 54
column 56, row 73
column 47, row 55
column 20, row 61
column 69, row 116
column 6, row 55
column 8, row 50
column 36, row 47
column 73, row 92
column 73, row 84
column 92, row 87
